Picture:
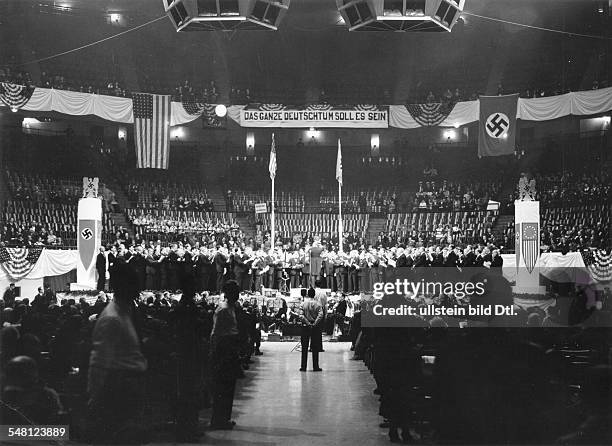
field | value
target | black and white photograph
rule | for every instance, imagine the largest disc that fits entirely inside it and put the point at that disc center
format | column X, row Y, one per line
column 305, row 222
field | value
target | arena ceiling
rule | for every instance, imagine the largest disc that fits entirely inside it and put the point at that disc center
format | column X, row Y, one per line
column 313, row 50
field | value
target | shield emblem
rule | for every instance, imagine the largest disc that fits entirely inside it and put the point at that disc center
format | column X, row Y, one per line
column 530, row 245
column 87, row 242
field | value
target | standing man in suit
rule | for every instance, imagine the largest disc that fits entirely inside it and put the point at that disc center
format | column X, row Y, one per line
column 240, row 268
column 204, row 269
column 139, row 264
column 452, row 259
column 224, row 357
column 497, row 260
column 221, row 264
column 9, row 296
column 101, row 269
column 311, row 317
column 329, row 269
column 305, row 261
column 469, row 258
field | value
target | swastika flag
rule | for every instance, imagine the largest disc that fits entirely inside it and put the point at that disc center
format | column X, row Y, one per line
column 497, row 129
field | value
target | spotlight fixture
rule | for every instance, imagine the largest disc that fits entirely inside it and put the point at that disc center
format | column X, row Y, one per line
column 400, row 15
column 220, row 110
column 225, row 15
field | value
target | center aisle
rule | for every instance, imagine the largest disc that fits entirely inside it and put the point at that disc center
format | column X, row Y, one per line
column 279, row 405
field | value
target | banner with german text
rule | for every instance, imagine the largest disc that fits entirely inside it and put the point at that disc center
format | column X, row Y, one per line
column 317, row 115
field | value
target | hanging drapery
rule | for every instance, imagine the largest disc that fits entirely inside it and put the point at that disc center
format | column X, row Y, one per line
column 118, row 109
column 79, row 104
column 51, row 262
column 462, row 113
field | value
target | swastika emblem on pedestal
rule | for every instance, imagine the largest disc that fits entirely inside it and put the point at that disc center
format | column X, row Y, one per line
column 497, row 125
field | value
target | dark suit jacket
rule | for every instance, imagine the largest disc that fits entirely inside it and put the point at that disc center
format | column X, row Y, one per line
column 401, row 262
column 111, row 261
column 239, row 266
column 101, row 262
column 497, row 262
column 452, row 259
column 469, row 260
column 421, row 260
column 220, row 262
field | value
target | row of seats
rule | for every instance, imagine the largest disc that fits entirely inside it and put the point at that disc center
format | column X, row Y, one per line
column 174, row 225
column 170, row 195
column 374, row 199
column 285, row 201
column 31, row 220
column 287, row 225
column 464, row 226
column 42, row 188
column 180, row 215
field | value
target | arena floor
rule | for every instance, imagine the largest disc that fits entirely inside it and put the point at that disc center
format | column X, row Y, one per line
column 278, row 405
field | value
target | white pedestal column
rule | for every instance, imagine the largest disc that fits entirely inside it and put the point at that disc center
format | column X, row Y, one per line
column 527, row 247
column 89, row 239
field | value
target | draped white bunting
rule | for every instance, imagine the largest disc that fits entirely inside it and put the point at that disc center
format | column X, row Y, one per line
column 578, row 103
column 52, row 262
column 553, row 265
column 120, row 109
column 78, row 104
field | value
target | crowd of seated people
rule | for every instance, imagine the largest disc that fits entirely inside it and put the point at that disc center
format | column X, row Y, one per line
column 456, row 379
column 571, row 189
column 27, row 223
column 374, row 201
column 59, row 81
column 572, row 229
column 43, row 188
column 449, row 227
column 20, row 77
column 187, row 92
column 240, row 96
column 286, row 200
column 43, row 209
column 176, row 225
column 53, row 350
column 528, row 92
column 288, row 225
column 169, row 196
column 443, row 195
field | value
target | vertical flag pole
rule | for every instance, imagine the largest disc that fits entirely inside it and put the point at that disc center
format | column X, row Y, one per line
column 272, row 169
column 339, row 178
column 340, row 215
column 272, row 235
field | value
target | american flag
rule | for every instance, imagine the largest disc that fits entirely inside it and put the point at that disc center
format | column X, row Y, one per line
column 272, row 165
column 339, row 164
column 599, row 263
column 152, row 130
column 15, row 96
column 530, row 245
column 18, row 262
